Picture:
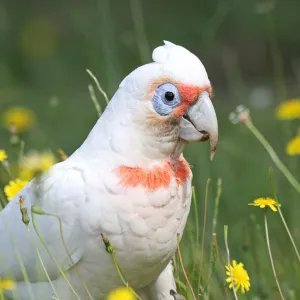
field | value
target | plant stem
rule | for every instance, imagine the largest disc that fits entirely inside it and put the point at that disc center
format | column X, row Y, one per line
column 6, row 168
column 229, row 260
column 270, row 254
column 21, row 263
column 183, row 269
column 224, row 285
column 212, row 264
column 110, row 249
column 176, row 271
column 212, row 260
column 217, row 201
column 22, row 147
column 50, row 254
column 279, row 164
column 109, row 47
column 95, row 100
column 281, row 215
column 70, row 256
column 289, row 233
column 181, row 284
column 101, row 90
column 194, row 198
column 276, row 58
column 45, row 270
column 203, row 233
column 139, row 28
column 37, row 210
column 3, row 200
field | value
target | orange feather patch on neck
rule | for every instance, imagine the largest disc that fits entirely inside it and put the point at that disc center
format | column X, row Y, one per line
column 155, row 178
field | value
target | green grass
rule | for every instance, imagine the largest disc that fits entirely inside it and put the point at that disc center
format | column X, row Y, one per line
column 66, row 114
column 243, row 166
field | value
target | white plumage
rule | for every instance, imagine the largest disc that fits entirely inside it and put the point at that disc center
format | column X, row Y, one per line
column 89, row 194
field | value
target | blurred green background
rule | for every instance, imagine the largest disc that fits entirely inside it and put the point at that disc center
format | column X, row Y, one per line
column 251, row 50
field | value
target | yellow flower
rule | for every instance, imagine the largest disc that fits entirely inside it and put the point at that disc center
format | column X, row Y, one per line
column 293, row 147
column 265, row 202
column 14, row 187
column 35, row 163
column 3, row 155
column 240, row 277
column 121, row 293
column 289, row 110
column 18, row 119
column 6, row 284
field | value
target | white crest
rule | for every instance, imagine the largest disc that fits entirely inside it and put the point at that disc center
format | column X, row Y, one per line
column 180, row 64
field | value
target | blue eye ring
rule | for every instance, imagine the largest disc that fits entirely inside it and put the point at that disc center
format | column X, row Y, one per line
column 166, row 98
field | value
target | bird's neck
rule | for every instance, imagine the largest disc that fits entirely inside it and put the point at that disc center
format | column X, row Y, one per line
column 130, row 144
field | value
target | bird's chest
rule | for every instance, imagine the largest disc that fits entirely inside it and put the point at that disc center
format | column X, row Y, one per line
column 141, row 213
column 151, row 226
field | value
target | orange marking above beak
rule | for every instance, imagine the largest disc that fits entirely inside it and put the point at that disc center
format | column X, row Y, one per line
column 189, row 95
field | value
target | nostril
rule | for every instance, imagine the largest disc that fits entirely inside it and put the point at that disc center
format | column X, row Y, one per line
column 203, row 132
column 186, row 116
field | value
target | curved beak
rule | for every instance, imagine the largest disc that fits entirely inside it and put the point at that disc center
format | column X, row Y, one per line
column 200, row 123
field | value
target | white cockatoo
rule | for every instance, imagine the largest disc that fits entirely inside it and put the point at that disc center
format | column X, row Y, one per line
column 128, row 181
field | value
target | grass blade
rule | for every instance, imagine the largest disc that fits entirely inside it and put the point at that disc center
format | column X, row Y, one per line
column 282, row 217
column 270, row 254
column 183, row 269
column 229, row 260
column 203, row 234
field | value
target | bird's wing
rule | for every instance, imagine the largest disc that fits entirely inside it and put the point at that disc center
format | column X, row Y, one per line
column 61, row 192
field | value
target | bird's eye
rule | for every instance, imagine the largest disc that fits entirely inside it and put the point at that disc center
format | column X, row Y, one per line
column 166, row 98
column 169, row 96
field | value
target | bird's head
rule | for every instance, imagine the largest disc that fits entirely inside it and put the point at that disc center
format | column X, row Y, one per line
column 167, row 102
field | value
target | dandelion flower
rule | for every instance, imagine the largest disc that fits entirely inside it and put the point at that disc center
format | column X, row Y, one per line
column 18, row 119
column 238, row 276
column 293, row 147
column 265, row 202
column 14, row 187
column 6, row 284
column 289, row 110
column 122, row 293
column 3, row 155
column 36, row 163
